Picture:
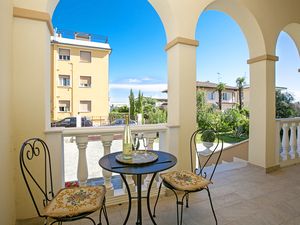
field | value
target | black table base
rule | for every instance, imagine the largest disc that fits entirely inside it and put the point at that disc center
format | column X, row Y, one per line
column 139, row 199
column 165, row 161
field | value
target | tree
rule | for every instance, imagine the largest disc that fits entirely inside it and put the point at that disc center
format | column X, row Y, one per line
column 139, row 103
column 220, row 88
column 240, row 82
column 285, row 107
column 131, row 105
column 201, row 101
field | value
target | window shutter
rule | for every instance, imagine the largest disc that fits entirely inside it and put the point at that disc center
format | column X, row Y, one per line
column 85, row 106
column 64, row 51
column 85, row 56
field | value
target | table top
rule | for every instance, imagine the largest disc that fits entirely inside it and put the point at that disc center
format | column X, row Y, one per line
column 165, row 161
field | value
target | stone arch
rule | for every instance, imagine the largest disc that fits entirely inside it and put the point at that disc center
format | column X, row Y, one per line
column 179, row 20
column 247, row 22
column 293, row 30
column 51, row 5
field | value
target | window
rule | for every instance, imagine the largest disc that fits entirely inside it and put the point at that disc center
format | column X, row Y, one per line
column 210, row 96
column 85, row 106
column 64, row 80
column 64, row 54
column 225, row 96
column 85, row 81
column 64, row 106
column 85, row 56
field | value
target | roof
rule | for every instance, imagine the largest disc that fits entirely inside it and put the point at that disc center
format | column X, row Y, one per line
column 208, row 84
column 81, row 43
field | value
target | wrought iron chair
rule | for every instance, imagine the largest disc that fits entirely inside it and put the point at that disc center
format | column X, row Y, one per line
column 68, row 204
column 198, row 179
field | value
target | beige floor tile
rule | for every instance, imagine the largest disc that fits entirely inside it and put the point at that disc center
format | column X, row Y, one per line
column 246, row 196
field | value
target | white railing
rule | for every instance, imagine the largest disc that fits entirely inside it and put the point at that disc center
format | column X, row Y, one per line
column 288, row 140
column 107, row 135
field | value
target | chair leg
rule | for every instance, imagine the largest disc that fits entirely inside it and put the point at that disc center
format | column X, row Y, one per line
column 157, row 199
column 105, row 215
column 187, row 201
column 211, row 204
column 103, row 209
column 179, row 204
column 89, row 218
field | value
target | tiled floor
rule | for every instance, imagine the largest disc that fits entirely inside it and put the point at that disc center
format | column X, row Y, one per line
column 245, row 196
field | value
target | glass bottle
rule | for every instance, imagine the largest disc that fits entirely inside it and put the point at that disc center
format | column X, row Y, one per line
column 127, row 140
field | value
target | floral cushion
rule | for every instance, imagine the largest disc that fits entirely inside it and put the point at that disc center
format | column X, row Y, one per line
column 74, row 201
column 185, row 180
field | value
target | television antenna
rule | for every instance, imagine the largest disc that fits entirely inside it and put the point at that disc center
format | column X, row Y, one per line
column 219, row 77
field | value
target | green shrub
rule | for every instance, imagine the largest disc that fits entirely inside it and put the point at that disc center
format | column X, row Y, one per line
column 208, row 136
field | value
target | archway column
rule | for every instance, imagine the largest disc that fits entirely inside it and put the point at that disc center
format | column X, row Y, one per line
column 262, row 149
column 31, row 91
column 181, row 97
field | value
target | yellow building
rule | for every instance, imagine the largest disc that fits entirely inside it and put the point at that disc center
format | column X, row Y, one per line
column 79, row 76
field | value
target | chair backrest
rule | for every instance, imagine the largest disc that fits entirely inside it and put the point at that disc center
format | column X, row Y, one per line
column 211, row 159
column 34, row 162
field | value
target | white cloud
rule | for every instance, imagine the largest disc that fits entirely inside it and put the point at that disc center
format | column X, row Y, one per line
column 142, row 87
column 147, row 78
column 133, row 80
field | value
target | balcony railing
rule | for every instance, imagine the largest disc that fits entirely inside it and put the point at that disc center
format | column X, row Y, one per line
column 107, row 135
column 81, row 36
column 288, row 141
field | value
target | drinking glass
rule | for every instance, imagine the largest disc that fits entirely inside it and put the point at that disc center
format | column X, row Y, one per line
column 135, row 143
column 145, row 143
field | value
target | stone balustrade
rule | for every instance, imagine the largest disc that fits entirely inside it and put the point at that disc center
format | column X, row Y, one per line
column 288, row 141
column 107, row 135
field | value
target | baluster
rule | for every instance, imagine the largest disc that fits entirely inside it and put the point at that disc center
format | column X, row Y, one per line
column 130, row 183
column 82, row 170
column 278, row 157
column 285, row 142
column 106, row 142
column 293, row 141
column 298, row 140
column 151, row 137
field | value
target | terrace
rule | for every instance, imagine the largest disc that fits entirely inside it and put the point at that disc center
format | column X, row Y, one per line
column 254, row 196
column 242, row 196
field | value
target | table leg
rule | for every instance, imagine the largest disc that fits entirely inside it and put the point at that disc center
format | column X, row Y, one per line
column 139, row 199
column 129, row 198
column 148, row 198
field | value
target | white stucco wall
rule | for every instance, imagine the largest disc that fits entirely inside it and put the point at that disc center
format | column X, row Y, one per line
column 31, row 78
column 7, row 163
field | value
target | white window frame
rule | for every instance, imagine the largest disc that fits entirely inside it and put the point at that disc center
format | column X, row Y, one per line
column 89, row 106
column 65, row 108
column 84, row 60
column 84, row 85
column 64, row 57
column 62, row 78
column 210, row 96
column 225, row 98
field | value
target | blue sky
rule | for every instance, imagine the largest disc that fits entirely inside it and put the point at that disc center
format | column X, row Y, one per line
column 137, row 38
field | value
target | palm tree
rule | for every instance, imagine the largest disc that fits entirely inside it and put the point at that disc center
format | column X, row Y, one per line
column 240, row 82
column 220, row 88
